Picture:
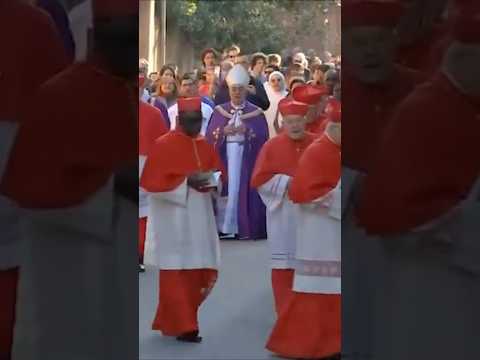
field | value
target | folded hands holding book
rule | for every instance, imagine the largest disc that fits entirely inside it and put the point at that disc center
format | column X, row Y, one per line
column 202, row 181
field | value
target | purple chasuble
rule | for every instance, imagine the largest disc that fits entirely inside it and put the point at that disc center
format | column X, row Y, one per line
column 160, row 105
column 251, row 209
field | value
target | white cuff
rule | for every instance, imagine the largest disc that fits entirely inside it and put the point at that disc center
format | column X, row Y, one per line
column 273, row 191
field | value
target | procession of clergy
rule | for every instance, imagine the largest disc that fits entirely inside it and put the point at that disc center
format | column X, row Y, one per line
column 222, row 183
column 411, row 165
column 236, row 181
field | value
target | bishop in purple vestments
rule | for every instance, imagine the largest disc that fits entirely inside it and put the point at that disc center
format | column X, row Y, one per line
column 238, row 130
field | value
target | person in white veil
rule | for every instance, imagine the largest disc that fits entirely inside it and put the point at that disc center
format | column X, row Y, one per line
column 276, row 90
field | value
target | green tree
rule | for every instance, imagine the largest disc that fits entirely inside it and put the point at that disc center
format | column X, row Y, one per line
column 254, row 25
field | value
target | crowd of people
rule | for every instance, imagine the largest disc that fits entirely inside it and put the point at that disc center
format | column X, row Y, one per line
column 247, row 149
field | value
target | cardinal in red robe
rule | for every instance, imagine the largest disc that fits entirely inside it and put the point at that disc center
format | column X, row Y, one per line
column 309, row 325
column 78, row 136
column 182, row 239
column 36, row 39
column 424, row 34
column 275, row 168
column 372, row 87
column 313, row 96
column 421, row 198
column 372, row 84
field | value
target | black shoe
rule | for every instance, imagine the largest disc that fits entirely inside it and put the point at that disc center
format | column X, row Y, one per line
column 141, row 268
column 191, row 337
column 223, row 236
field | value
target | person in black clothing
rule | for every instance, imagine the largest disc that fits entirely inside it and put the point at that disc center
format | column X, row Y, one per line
column 270, row 69
column 256, row 95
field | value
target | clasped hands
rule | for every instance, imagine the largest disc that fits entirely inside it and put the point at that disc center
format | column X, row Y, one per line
column 234, row 130
column 200, row 181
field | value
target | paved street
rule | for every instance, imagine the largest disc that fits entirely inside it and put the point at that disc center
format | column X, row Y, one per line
column 236, row 319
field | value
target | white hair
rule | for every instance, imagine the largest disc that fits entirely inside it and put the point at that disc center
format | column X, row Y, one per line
column 302, row 56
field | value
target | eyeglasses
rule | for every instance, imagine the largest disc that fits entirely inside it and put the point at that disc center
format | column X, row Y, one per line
column 274, row 80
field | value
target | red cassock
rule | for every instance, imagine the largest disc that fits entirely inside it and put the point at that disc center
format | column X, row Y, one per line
column 309, row 326
column 76, row 166
column 83, row 162
column 421, row 175
column 312, row 95
column 164, row 172
column 367, row 112
column 152, row 125
column 181, row 291
column 280, row 156
column 317, row 126
column 35, row 39
column 309, row 183
column 426, row 54
column 421, row 187
column 368, row 107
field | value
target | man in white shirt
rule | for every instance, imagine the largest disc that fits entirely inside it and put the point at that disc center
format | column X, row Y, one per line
column 189, row 88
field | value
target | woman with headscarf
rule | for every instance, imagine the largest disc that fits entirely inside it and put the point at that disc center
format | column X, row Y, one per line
column 276, row 90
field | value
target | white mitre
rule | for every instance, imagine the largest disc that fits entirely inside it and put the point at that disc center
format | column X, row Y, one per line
column 238, row 76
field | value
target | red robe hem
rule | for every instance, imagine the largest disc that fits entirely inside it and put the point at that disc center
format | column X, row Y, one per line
column 142, row 235
column 282, row 284
column 308, row 327
column 181, row 294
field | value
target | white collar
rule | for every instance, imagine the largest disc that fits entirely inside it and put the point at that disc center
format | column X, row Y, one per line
column 239, row 107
